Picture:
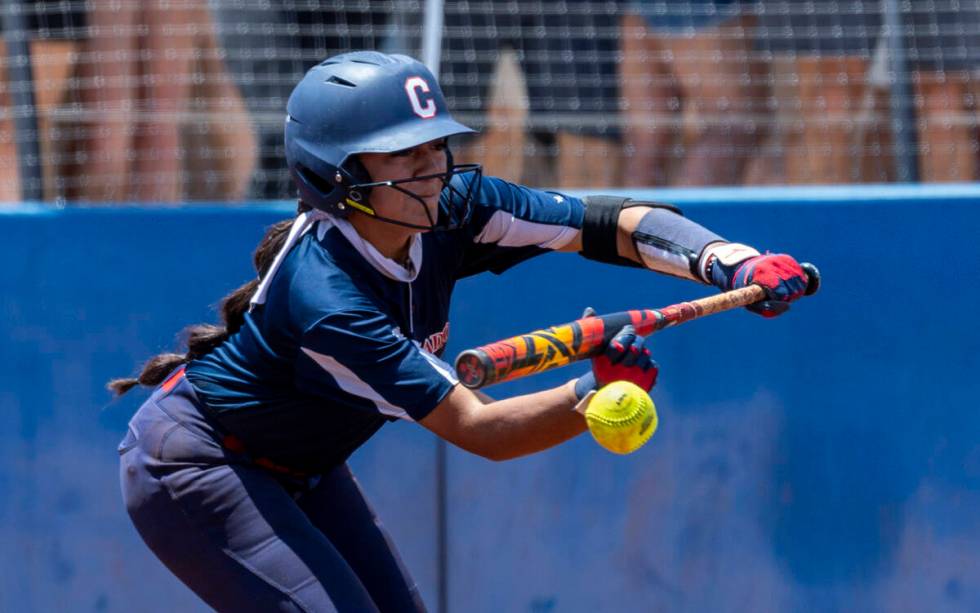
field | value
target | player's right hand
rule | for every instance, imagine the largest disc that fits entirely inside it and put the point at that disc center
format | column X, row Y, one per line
column 779, row 274
column 625, row 358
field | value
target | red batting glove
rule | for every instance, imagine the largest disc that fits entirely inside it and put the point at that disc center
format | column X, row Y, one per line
column 626, row 358
column 779, row 274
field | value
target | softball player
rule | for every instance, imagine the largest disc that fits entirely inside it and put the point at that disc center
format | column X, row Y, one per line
column 234, row 471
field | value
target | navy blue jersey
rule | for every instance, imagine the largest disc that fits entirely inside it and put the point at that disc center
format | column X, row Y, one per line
column 341, row 339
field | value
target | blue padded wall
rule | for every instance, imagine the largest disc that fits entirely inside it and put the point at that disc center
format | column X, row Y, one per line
column 828, row 460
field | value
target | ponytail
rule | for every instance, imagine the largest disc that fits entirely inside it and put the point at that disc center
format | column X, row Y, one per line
column 204, row 338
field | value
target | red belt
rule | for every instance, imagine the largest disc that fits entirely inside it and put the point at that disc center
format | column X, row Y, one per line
column 172, row 381
column 233, row 443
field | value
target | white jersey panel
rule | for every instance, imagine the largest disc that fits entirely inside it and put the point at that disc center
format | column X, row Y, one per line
column 507, row 230
column 352, row 384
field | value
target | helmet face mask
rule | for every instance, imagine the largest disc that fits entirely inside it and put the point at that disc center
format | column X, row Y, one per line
column 455, row 202
column 369, row 102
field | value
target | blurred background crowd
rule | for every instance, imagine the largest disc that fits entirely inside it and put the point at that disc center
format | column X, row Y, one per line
column 183, row 100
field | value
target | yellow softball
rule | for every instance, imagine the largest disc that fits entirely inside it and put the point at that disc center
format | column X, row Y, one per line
column 621, row 417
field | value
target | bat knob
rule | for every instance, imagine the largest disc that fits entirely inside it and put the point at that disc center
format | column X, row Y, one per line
column 471, row 368
column 812, row 278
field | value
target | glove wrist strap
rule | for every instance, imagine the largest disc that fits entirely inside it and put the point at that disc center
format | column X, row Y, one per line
column 586, row 384
column 583, row 404
column 718, row 262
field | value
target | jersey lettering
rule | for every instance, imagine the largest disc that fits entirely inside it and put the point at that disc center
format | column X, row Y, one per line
column 437, row 341
column 415, row 87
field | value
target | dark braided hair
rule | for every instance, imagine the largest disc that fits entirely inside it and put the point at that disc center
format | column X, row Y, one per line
column 204, row 338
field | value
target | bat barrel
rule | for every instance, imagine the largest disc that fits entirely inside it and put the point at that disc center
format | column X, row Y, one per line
column 546, row 349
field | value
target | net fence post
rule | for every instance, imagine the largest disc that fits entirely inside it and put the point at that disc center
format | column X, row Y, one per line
column 431, row 55
column 901, row 97
column 432, row 35
column 20, row 76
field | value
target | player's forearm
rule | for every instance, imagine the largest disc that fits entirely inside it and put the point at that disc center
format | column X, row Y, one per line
column 510, row 428
column 663, row 241
column 522, row 425
column 656, row 236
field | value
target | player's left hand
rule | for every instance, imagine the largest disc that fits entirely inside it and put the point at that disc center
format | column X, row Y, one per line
column 626, row 358
column 779, row 274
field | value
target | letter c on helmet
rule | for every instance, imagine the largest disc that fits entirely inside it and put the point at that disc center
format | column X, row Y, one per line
column 414, row 87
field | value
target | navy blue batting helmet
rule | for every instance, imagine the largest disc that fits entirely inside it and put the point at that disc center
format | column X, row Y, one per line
column 360, row 102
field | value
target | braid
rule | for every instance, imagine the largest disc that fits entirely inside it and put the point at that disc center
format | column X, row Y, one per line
column 205, row 338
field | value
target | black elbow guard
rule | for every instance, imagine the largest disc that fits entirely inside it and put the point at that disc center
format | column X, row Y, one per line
column 601, row 225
